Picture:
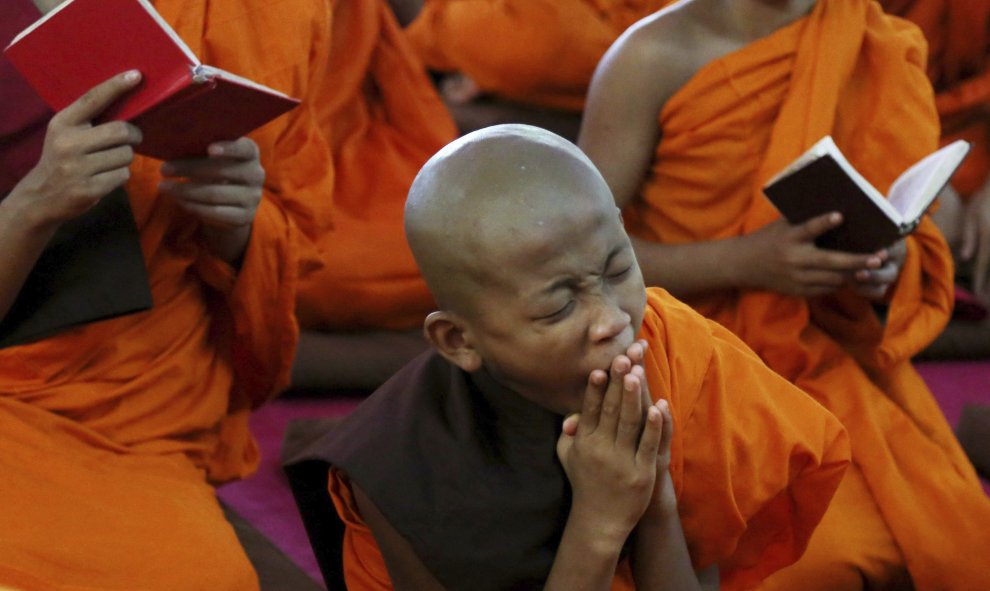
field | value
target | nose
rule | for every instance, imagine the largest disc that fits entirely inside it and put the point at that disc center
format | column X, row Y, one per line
column 608, row 322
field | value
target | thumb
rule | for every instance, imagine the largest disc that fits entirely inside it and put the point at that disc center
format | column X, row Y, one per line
column 818, row 225
column 571, row 424
column 564, row 444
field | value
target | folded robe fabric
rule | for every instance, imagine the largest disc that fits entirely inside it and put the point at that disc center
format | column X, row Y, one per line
column 958, row 34
column 384, row 120
column 754, row 464
column 852, row 72
column 113, row 431
column 538, row 52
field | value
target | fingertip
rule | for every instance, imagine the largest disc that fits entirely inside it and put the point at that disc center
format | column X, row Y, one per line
column 597, row 377
column 835, row 217
column 132, row 76
column 653, row 415
column 215, row 150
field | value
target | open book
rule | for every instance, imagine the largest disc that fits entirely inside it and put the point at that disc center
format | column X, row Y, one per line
column 822, row 180
column 181, row 105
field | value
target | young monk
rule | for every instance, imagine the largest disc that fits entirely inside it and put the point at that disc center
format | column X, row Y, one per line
column 691, row 464
column 690, row 113
column 383, row 119
column 115, row 432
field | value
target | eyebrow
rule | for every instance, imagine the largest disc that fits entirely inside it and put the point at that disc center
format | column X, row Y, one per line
column 567, row 282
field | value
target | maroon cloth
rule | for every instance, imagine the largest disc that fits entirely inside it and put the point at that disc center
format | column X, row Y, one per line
column 23, row 115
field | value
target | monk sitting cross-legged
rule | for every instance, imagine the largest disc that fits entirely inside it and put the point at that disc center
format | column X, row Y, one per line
column 690, row 464
column 113, row 434
column 689, row 114
column 362, row 311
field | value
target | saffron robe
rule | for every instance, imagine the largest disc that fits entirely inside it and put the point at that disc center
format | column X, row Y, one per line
column 113, row 432
column 384, row 120
column 467, row 471
column 537, row 52
column 850, row 71
column 958, row 35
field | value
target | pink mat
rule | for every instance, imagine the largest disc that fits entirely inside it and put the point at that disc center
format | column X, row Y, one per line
column 265, row 499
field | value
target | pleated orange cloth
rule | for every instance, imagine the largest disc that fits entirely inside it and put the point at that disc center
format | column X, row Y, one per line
column 538, row 52
column 755, row 462
column 112, row 433
column 958, row 34
column 385, row 120
column 852, row 72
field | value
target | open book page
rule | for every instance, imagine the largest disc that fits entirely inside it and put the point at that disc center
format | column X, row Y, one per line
column 917, row 187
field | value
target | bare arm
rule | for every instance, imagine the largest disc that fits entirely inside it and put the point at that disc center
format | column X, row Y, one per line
column 79, row 165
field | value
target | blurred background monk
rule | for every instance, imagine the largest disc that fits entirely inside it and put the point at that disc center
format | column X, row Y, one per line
column 958, row 34
column 362, row 313
column 527, row 61
column 114, row 433
column 689, row 114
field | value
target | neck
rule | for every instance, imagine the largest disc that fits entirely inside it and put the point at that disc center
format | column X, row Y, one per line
column 517, row 416
column 46, row 6
column 750, row 20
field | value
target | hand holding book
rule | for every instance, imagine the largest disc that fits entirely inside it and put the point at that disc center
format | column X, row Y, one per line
column 182, row 105
column 783, row 257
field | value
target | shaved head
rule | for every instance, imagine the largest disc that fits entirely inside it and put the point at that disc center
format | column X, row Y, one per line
column 479, row 200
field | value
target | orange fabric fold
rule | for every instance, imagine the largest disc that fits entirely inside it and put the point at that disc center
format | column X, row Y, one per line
column 384, row 120
column 754, row 461
column 112, row 432
column 539, row 52
column 958, row 34
column 850, row 71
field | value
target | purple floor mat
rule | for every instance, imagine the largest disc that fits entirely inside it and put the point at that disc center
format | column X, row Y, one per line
column 265, row 499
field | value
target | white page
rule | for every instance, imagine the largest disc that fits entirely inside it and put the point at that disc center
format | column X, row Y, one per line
column 918, row 186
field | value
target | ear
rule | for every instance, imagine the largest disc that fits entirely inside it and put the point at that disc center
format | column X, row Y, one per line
column 450, row 335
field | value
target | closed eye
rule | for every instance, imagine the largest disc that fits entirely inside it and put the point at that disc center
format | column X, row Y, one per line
column 620, row 274
column 559, row 314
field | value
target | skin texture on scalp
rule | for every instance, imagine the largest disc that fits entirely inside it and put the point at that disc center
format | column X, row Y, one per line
column 457, row 211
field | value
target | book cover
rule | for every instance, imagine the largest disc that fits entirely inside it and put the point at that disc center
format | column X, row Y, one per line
column 81, row 43
column 91, row 270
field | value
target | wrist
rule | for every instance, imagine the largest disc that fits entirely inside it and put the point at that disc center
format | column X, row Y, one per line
column 596, row 536
column 735, row 263
column 20, row 209
column 662, row 507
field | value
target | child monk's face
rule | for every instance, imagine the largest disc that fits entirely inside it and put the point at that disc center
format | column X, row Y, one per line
column 566, row 296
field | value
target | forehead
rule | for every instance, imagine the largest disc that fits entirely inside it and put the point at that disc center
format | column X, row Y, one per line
column 537, row 246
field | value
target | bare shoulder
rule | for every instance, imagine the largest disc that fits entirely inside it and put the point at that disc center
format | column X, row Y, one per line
column 405, row 568
column 657, row 54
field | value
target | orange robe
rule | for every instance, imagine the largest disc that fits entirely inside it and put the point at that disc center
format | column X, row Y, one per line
column 850, row 71
column 958, row 34
column 384, row 120
column 113, row 432
column 754, row 461
column 539, row 52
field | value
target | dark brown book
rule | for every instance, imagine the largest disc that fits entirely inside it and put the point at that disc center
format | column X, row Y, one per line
column 91, row 270
column 821, row 180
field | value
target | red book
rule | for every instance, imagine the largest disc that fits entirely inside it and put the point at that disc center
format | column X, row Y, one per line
column 181, row 105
